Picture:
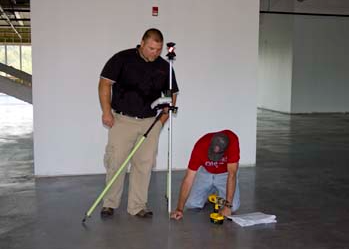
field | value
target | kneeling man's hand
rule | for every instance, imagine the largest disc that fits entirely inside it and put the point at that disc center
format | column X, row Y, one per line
column 177, row 214
column 225, row 211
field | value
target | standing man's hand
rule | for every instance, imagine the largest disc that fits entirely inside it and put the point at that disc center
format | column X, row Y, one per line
column 108, row 119
column 166, row 110
column 165, row 116
column 177, row 214
column 104, row 92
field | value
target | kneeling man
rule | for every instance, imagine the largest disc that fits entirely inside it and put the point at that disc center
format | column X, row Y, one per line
column 213, row 168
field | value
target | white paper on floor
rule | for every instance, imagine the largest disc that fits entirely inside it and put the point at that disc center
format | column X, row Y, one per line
column 252, row 218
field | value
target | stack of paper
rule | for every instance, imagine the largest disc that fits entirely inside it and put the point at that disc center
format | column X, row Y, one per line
column 252, row 219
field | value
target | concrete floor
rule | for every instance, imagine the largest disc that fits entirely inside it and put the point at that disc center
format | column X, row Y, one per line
column 302, row 177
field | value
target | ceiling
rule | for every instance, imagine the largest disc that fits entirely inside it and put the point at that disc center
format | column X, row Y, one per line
column 15, row 14
column 15, row 21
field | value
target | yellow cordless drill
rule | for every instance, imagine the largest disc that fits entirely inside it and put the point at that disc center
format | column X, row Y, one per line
column 218, row 202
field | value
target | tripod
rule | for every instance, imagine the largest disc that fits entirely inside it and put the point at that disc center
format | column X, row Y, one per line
column 171, row 56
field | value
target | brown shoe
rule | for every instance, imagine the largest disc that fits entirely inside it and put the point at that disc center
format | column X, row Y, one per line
column 145, row 213
column 107, row 212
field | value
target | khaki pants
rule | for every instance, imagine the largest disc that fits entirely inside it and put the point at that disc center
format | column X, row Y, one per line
column 122, row 138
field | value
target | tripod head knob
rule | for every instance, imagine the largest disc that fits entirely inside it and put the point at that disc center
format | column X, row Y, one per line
column 170, row 48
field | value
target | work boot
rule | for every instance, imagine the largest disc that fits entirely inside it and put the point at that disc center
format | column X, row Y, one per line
column 145, row 213
column 107, row 212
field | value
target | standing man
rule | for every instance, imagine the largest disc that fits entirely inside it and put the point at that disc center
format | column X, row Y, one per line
column 130, row 81
column 213, row 167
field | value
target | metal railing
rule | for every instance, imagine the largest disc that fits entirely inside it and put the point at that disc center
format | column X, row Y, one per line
column 16, row 83
column 16, row 75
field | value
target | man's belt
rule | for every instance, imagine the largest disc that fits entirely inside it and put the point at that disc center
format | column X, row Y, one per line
column 133, row 116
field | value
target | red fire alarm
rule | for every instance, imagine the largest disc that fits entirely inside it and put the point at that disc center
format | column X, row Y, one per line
column 155, row 11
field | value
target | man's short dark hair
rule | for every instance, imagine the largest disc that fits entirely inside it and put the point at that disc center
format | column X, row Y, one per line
column 153, row 33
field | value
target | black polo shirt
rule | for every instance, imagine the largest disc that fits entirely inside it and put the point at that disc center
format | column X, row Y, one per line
column 137, row 83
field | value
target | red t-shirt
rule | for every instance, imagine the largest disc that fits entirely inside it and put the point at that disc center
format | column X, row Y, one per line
column 199, row 155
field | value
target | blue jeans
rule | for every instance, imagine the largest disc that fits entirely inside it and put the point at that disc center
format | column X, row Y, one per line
column 205, row 184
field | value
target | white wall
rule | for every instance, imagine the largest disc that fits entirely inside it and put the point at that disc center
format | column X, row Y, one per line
column 275, row 62
column 320, row 66
column 303, row 63
column 216, row 68
column 307, row 53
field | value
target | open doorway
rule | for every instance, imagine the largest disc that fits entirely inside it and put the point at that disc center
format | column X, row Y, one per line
column 16, row 117
column 16, row 142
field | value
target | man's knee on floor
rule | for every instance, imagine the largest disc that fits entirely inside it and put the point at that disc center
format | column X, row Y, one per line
column 195, row 203
column 194, row 206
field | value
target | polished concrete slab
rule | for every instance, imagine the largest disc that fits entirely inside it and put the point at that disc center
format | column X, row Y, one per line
column 16, row 164
column 302, row 177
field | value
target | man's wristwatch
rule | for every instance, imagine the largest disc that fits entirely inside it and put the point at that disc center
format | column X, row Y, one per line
column 227, row 204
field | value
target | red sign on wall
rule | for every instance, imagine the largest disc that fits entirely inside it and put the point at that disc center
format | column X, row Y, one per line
column 155, row 11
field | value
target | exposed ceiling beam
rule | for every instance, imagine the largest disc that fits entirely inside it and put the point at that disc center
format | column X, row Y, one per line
column 301, row 13
column 24, row 9
column 18, row 16
column 20, row 19
column 9, row 22
column 15, row 25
